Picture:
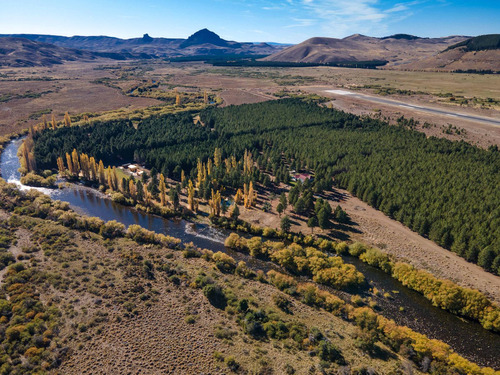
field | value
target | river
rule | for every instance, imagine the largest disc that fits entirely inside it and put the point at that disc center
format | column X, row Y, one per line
column 405, row 306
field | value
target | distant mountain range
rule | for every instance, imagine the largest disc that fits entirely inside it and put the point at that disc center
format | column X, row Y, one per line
column 203, row 42
column 400, row 51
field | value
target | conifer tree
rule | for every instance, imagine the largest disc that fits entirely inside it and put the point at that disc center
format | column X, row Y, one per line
column 139, row 188
column 114, row 178
column 124, row 186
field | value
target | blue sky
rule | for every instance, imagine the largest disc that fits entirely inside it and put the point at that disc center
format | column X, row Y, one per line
column 287, row 21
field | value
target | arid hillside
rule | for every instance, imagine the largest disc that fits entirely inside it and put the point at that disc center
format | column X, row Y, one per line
column 397, row 49
column 481, row 53
column 21, row 52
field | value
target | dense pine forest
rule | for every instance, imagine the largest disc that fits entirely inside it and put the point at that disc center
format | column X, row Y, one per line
column 444, row 190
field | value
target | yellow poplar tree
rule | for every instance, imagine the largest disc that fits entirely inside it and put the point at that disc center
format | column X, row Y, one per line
column 76, row 163
column 163, row 190
column 227, row 162
column 215, row 203
column 54, row 122
column 131, row 189
column 209, row 167
column 93, row 169
column 217, row 157
column 85, row 166
column 109, row 174
column 102, row 174
column 199, row 178
column 70, row 164
column 251, row 196
column 60, row 165
column 238, row 197
column 67, row 120
column 245, row 195
column 147, row 194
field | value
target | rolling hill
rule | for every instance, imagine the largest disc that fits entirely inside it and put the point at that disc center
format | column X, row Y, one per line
column 481, row 53
column 397, row 49
column 21, row 52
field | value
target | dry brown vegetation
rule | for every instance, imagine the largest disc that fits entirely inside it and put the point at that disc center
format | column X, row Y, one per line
column 131, row 307
column 27, row 94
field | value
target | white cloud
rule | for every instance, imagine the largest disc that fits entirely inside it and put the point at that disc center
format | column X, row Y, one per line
column 302, row 22
column 339, row 18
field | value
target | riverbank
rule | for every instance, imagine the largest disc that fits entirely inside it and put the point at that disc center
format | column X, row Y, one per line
column 114, row 238
column 415, row 312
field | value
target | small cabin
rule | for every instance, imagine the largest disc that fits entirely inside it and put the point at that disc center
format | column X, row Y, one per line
column 302, row 177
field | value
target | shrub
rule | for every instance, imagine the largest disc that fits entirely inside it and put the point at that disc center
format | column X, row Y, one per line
column 224, row 262
column 342, row 248
column 282, row 282
column 141, row 235
column 224, row 334
column 377, row 258
column 282, row 302
column 243, row 271
column 112, row 229
column 356, row 249
column 231, row 363
column 329, row 352
column 32, row 179
column 215, row 296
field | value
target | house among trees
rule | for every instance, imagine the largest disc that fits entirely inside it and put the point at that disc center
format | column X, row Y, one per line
column 302, row 177
column 134, row 169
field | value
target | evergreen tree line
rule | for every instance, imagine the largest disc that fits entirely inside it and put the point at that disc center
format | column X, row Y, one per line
column 444, row 190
